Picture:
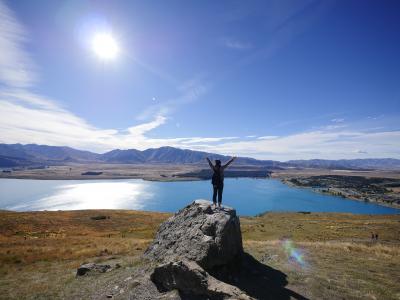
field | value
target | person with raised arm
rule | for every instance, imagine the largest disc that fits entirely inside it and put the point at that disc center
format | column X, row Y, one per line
column 218, row 179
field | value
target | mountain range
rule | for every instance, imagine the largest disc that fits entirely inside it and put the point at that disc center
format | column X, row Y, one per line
column 18, row 155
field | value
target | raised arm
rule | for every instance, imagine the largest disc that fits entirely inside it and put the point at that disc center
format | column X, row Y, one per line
column 210, row 163
column 229, row 162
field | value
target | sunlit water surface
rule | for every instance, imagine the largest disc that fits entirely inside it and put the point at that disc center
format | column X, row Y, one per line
column 248, row 196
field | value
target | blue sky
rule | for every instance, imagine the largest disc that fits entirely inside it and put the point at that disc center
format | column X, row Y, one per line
column 267, row 79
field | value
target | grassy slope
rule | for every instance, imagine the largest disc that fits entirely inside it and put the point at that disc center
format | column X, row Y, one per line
column 39, row 251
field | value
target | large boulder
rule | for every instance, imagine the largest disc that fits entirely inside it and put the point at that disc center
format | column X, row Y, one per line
column 208, row 236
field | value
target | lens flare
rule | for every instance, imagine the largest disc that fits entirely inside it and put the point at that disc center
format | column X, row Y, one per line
column 295, row 255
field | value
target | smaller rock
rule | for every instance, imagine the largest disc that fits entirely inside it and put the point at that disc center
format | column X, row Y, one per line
column 189, row 278
column 89, row 267
column 186, row 276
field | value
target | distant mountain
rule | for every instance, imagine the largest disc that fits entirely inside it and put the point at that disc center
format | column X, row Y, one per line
column 14, row 155
column 39, row 154
column 21, row 155
column 123, row 156
column 171, row 155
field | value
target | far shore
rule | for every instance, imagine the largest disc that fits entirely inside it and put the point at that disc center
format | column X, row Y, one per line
column 374, row 198
column 152, row 172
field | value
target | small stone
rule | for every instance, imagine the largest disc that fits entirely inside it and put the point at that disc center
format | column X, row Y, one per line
column 92, row 267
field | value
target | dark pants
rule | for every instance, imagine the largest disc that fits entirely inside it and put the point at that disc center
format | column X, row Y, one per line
column 217, row 189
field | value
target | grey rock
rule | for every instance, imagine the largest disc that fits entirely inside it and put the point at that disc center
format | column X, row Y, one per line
column 92, row 267
column 194, row 242
column 190, row 279
column 186, row 276
column 199, row 233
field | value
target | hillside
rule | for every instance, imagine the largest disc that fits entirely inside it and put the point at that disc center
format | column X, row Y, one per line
column 23, row 155
column 338, row 259
column 31, row 155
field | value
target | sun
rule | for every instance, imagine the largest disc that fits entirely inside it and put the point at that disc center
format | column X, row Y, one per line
column 105, row 46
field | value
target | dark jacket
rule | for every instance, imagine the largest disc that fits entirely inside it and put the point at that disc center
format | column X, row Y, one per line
column 218, row 175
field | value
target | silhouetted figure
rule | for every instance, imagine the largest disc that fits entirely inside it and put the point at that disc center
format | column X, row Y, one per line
column 376, row 236
column 218, row 178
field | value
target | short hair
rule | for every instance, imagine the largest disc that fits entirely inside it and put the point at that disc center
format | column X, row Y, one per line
column 217, row 162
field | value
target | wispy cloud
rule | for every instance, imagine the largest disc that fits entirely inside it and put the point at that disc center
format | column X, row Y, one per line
column 358, row 151
column 338, row 120
column 188, row 92
column 268, row 137
column 27, row 118
column 236, row 44
column 16, row 67
column 327, row 143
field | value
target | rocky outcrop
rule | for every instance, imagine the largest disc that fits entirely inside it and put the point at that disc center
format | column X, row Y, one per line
column 197, row 240
column 200, row 233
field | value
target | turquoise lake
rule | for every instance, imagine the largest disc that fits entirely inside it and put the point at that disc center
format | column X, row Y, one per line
column 248, row 196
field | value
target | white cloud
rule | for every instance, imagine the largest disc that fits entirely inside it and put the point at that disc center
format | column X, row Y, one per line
column 236, row 44
column 337, row 120
column 15, row 64
column 140, row 130
column 195, row 140
column 27, row 118
column 328, row 144
column 358, row 151
column 189, row 92
column 268, row 137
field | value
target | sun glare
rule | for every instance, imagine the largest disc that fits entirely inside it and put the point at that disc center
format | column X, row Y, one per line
column 105, row 46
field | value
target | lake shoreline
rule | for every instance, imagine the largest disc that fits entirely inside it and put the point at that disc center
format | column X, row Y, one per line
column 319, row 191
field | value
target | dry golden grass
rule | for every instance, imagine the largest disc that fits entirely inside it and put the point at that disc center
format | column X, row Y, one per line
column 340, row 261
column 34, row 236
column 322, row 227
column 40, row 251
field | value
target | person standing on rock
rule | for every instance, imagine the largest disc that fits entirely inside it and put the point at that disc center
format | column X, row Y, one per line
column 218, row 178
